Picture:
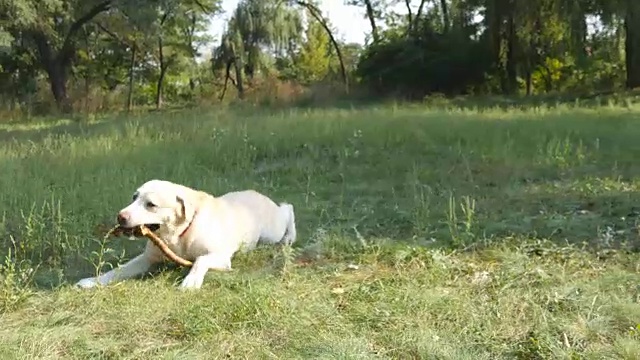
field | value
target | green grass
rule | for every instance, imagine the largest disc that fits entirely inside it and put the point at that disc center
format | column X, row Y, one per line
column 493, row 234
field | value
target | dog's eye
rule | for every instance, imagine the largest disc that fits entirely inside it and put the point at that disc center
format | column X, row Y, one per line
column 149, row 204
column 134, row 197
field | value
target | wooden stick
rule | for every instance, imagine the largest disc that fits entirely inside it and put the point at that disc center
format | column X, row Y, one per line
column 163, row 247
column 146, row 232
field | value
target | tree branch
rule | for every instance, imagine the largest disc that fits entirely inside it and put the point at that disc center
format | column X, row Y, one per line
column 409, row 13
column 204, row 8
column 445, row 15
column 164, row 18
column 111, row 33
column 372, row 20
column 419, row 13
column 413, row 19
column 67, row 47
column 317, row 14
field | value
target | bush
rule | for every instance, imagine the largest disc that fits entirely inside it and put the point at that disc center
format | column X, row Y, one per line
column 425, row 63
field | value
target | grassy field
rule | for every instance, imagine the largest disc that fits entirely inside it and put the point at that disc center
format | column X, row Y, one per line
column 423, row 234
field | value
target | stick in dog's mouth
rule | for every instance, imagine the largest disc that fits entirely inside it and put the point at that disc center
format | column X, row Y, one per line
column 148, row 232
column 135, row 231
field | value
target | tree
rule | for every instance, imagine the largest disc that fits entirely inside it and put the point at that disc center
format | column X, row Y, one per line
column 131, row 31
column 632, row 43
column 317, row 14
column 177, row 29
column 53, row 28
column 517, row 46
column 312, row 62
column 257, row 30
column 414, row 19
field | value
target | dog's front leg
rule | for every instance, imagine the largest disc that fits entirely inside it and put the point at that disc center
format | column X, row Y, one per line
column 201, row 265
column 136, row 266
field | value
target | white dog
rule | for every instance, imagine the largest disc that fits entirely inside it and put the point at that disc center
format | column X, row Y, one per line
column 199, row 227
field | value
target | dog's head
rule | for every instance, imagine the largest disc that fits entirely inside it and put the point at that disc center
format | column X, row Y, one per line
column 157, row 204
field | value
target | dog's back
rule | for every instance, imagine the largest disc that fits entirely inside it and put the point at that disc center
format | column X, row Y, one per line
column 277, row 223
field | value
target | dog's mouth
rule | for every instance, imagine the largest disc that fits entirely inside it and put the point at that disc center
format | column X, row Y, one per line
column 152, row 227
column 135, row 230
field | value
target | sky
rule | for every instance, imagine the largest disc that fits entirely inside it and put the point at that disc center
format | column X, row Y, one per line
column 349, row 21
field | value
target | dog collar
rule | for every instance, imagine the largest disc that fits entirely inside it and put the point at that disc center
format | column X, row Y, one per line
column 188, row 226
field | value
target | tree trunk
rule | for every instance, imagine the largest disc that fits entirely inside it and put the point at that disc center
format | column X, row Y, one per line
column 528, row 68
column 493, row 21
column 56, row 70
column 159, row 87
column 317, row 14
column 412, row 20
column 510, row 66
column 578, row 29
column 372, row 20
column 445, row 15
column 548, row 80
column 632, row 44
column 226, row 79
column 239, row 68
column 57, row 74
column 87, row 91
column 163, row 70
column 58, row 63
column 132, row 64
column 239, row 78
column 407, row 3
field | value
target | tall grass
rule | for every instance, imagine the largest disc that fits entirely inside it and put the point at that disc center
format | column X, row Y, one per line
column 423, row 233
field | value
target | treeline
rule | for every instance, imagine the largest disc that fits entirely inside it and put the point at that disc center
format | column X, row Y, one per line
column 97, row 55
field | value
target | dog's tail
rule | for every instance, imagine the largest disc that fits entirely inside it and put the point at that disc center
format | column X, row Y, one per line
column 289, row 236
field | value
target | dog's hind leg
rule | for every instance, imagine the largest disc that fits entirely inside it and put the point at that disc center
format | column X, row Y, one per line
column 290, row 234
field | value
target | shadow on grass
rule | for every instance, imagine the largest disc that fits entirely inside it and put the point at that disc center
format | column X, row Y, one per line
column 476, row 102
column 551, row 101
column 41, row 127
column 569, row 180
column 45, row 127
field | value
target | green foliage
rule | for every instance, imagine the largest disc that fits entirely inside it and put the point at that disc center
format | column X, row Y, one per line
column 256, row 28
column 313, row 60
column 432, row 47
column 432, row 62
column 547, row 75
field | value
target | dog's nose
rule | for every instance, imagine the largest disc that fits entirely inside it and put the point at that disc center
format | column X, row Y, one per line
column 123, row 218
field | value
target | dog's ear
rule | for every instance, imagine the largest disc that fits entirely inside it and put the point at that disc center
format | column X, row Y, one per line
column 182, row 210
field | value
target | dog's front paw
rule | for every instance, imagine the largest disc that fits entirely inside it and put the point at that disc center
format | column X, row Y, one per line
column 88, row 283
column 192, row 281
